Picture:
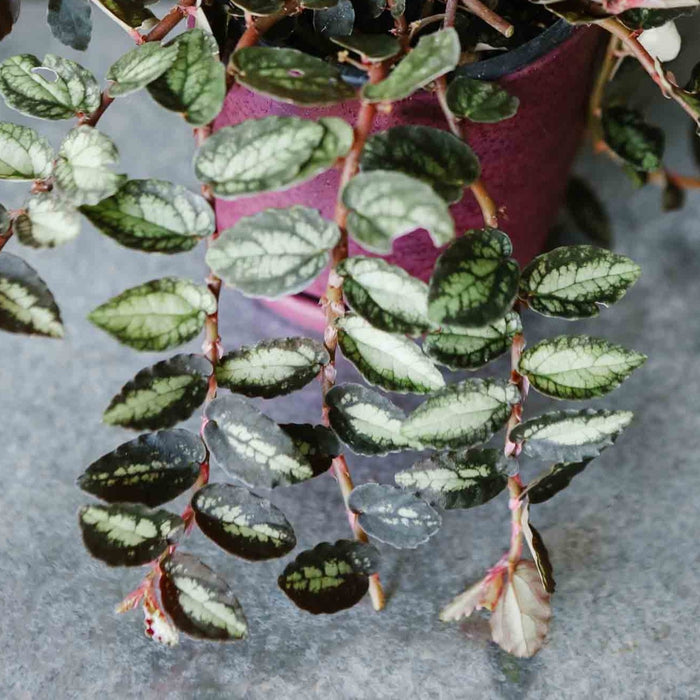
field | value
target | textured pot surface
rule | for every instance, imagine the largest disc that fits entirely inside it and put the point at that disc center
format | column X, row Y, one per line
column 525, row 160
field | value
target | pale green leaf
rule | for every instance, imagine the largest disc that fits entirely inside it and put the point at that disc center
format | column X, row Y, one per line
column 48, row 222
column 139, row 67
column 480, row 101
column 24, row 155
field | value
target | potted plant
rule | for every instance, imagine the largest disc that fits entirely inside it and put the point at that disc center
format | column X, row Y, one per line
column 273, row 166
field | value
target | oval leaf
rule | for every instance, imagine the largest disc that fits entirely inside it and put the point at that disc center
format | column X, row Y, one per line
column 393, row 516
column 371, row 47
column 474, row 282
column 551, row 482
column 383, row 205
column 153, row 469
column 578, row 366
column 433, row 156
column 70, row 22
column 139, row 67
column 252, row 447
column 452, row 480
column 260, row 7
column 162, row 395
column 572, row 281
column 199, row 602
column 48, row 222
column 480, row 101
column 315, row 442
column 639, row 144
column 461, row 414
column 24, row 155
column 124, row 534
column 329, row 577
column 153, row 215
column 391, row 361
column 157, row 315
column 273, row 253
column 242, row 523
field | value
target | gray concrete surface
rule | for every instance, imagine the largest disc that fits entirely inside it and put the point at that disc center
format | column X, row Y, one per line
column 623, row 539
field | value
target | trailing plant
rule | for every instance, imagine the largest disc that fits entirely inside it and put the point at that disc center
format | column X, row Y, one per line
column 472, row 311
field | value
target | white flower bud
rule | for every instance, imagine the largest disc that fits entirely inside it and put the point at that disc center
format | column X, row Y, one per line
column 662, row 42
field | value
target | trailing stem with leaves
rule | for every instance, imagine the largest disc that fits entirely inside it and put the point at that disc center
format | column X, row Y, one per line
column 397, row 330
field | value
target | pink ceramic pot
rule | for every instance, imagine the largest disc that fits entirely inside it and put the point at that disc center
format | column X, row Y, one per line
column 525, row 160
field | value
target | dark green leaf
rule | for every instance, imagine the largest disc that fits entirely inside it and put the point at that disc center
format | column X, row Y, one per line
column 315, row 442
column 139, row 67
column 335, row 21
column 242, row 523
column 480, row 101
column 70, row 22
column 329, row 577
column 162, row 395
column 474, row 282
column 636, row 142
column 673, row 196
column 550, row 483
column 24, row 155
column 260, row 8
column 152, row 469
column 434, row 156
column 48, row 222
column 124, row 534
column 588, row 211
column 371, row 47
column 199, row 602
column 647, row 18
column 130, row 14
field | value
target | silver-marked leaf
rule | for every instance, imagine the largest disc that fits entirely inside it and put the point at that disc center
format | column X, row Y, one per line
column 242, row 523
column 26, row 304
column 130, row 14
column 571, row 436
column 475, row 281
column 154, row 216
column 538, row 550
column 329, row 577
column 637, row 143
column 157, row 315
column 200, row 603
column 452, row 480
column 393, row 516
column 551, row 482
column 162, row 395
column 152, row 469
column 288, row 75
column 315, row 442
column 139, row 67
column 385, row 295
column 337, row 20
column 573, row 281
column 392, row 362
column 462, row 414
column 383, row 205
column 252, row 447
column 127, row 534
column 371, row 47
column 433, row 156
column 81, row 169
column 195, row 83
column 58, row 88
column 434, row 55
column 271, row 367
column 367, row 422
column 48, row 222
column 472, row 348
column 70, row 22
column 269, row 154
column 275, row 252
column 578, row 366
column 24, row 155
column 480, row 101
column 520, row 621
column 260, row 8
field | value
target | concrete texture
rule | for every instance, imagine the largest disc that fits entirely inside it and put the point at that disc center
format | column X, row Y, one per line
column 622, row 538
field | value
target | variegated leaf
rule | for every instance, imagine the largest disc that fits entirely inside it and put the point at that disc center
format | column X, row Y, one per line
column 452, row 480
column 538, row 550
column 578, row 366
column 124, row 534
column 252, row 447
column 393, row 516
column 47, row 222
column 139, row 67
column 154, row 216
column 434, row 55
column 384, row 205
column 392, row 362
column 433, row 156
column 24, row 155
column 275, row 252
column 200, row 603
column 366, row 421
column 26, row 304
column 129, row 14
column 462, row 414
column 571, row 436
column 638, row 144
column 474, row 282
column 242, row 523
column 551, row 482
column 162, row 395
column 152, row 469
column 480, row 101
column 574, row 281
column 315, row 442
column 157, row 315
column 330, row 577
column 271, row 367
column 82, row 171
